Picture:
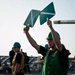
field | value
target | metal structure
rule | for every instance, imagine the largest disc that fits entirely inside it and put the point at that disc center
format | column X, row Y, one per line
column 64, row 22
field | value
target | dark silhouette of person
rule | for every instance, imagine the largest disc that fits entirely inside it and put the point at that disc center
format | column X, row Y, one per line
column 26, row 67
column 11, row 55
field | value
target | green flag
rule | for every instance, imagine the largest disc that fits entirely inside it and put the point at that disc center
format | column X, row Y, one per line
column 32, row 17
column 47, row 13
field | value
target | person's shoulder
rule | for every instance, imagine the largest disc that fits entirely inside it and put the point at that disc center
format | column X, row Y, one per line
column 11, row 51
column 66, row 50
column 63, row 47
column 19, row 54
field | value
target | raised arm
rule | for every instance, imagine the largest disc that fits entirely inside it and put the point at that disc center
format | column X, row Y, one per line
column 55, row 36
column 30, row 39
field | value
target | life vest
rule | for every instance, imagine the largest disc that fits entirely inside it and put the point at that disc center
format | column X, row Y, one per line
column 51, row 65
column 21, row 64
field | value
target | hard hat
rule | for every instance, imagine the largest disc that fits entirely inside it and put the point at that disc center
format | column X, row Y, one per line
column 46, row 46
column 49, row 37
column 16, row 44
